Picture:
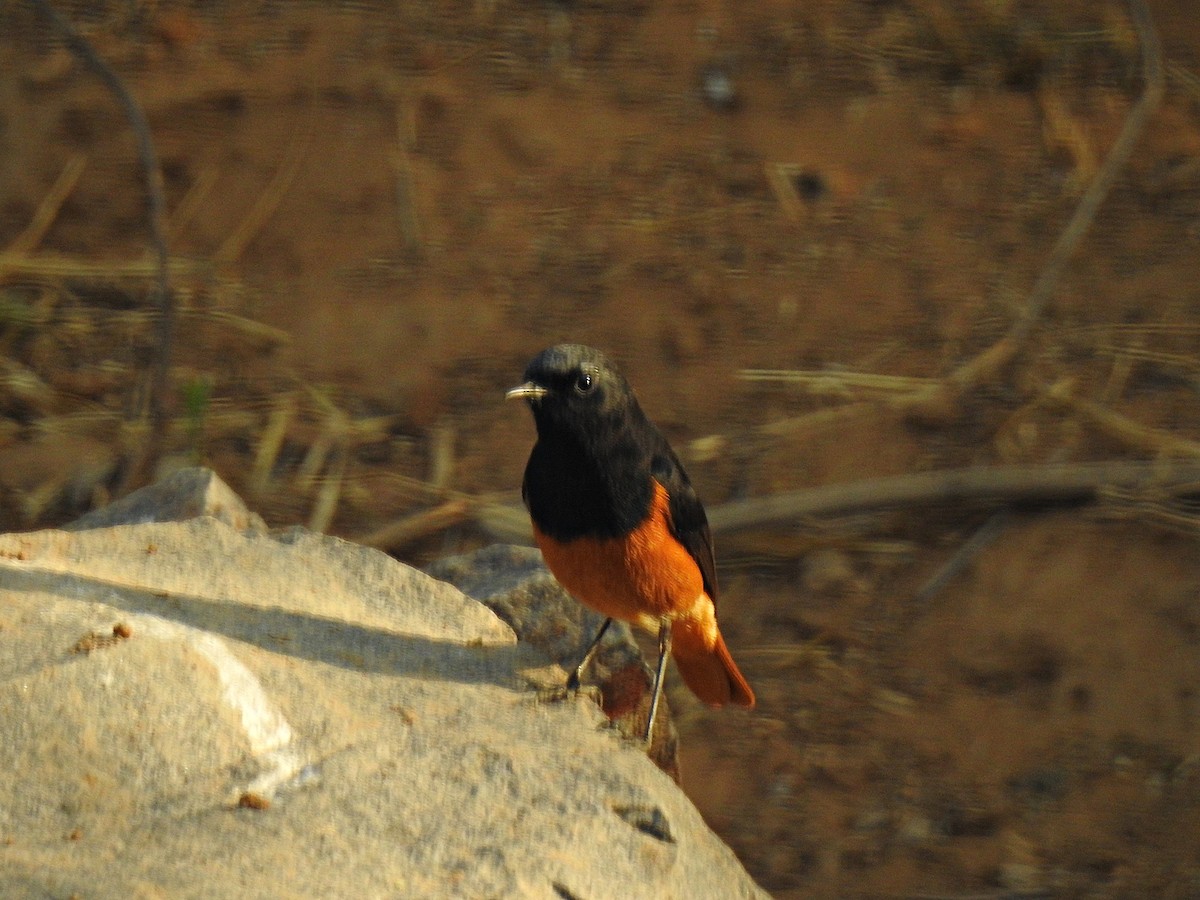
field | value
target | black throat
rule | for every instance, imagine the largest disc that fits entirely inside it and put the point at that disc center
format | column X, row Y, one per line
column 599, row 486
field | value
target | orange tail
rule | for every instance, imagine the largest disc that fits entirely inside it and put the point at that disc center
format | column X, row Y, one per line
column 709, row 672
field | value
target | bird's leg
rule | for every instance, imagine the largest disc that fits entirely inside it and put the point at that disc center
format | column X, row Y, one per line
column 664, row 650
column 575, row 679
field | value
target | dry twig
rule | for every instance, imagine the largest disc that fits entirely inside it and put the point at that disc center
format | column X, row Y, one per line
column 140, row 467
column 268, row 201
column 453, row 512
column 47, row 211
column 1055, row 483
column 988, row 364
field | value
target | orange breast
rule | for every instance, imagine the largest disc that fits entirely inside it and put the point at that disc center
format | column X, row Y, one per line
column 640, row 578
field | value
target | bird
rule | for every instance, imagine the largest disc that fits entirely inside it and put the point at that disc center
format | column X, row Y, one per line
column 618, row 522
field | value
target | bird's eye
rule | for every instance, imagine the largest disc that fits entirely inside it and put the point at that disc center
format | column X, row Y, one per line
column 584, row 383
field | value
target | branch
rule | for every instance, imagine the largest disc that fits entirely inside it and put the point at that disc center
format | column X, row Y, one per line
column 156, row 219
column 1005, row 485
column 999, row 486
column 1118, row 156
column 936, row 400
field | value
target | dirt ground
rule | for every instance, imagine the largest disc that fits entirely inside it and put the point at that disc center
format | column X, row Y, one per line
column 377, row 213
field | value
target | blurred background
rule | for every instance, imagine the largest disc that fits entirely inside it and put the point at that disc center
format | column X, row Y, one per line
column 791, row 223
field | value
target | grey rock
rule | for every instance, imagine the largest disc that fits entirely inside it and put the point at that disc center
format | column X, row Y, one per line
column 182, row 495
column 515, row 584
column 190, row 710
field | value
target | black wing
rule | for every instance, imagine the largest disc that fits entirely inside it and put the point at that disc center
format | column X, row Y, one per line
column 688, row 521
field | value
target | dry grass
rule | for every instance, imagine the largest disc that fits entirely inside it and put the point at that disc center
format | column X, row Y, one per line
column 1035, row 394
column 304, row 442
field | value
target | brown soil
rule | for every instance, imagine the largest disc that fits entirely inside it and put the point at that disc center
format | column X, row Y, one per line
column 418, row 197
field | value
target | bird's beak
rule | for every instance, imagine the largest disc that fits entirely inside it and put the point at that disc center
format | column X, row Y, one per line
column 527, row 391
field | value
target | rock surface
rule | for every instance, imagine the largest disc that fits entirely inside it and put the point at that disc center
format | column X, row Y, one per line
column 190, row 710
column 182, row 495
column 515, row 584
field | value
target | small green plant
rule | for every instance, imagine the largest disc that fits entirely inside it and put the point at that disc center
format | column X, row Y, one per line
column 197, row 399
